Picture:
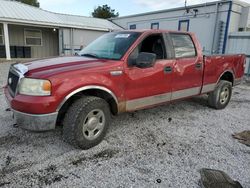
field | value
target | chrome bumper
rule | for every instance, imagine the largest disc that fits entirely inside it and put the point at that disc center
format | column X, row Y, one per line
column 35, row 122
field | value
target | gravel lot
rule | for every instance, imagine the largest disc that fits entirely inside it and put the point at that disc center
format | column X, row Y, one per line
column 161, row 147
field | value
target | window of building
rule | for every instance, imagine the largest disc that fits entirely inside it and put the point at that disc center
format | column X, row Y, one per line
column 155, row 25
column 183, row 45
column 33, row 37
column 183, row 25
column 132, row 26
column 241, row 29
column 1, row 35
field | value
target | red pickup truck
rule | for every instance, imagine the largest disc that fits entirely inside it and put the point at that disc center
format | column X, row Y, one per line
column 118, row 72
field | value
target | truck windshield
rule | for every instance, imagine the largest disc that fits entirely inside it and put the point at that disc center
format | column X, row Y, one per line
column 110, row 46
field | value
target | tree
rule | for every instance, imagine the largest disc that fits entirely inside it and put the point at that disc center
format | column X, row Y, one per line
column 105, row 12
column 34, row 3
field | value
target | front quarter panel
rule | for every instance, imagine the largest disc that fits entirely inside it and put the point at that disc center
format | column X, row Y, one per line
column 66, row 84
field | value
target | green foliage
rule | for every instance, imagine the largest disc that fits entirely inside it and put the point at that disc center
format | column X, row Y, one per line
column 105, row 12
column 34, row 3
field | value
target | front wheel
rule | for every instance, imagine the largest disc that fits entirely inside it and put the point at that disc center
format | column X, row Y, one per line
column 220, row 97
column 86, row 122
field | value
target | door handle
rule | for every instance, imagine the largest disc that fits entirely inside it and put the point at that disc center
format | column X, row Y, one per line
column 198, row 65
column 168, row 69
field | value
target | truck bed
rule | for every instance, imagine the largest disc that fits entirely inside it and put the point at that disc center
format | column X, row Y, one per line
column 217, row 65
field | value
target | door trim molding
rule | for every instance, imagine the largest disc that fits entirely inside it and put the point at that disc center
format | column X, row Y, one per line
column 185, row 93
column 140, row 103
column 207, row 88
column 147, row 101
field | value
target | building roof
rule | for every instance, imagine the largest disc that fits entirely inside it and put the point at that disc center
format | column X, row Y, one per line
column 13, row 11
column 244, row 4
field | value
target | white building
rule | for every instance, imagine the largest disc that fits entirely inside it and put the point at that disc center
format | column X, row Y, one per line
column 212, row 22
column 30, row 32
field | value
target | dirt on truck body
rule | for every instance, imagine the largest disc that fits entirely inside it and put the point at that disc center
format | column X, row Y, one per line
column 118, row 72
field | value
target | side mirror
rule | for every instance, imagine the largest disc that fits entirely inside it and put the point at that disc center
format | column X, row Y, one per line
column 145, row 60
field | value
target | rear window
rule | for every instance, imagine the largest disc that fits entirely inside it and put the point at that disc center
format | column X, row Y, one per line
column 183, row 45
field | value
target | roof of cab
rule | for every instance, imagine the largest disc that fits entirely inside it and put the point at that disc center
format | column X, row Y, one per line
column 155, row 31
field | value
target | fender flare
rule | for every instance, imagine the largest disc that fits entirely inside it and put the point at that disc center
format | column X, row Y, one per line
column 84, row 88
column 228, row 70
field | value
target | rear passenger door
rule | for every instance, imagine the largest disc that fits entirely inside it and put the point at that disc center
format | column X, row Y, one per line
column 188, row 67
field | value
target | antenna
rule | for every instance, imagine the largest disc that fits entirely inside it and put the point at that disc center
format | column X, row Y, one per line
column 187, row 10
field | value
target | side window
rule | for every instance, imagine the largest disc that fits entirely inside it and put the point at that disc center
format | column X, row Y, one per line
column 183, row 25
column 133, row 26
column 183, row 45
column 151, row 44
column 155, row 25
column 33, row 37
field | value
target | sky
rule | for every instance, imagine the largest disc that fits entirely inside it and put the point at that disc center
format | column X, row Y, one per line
column 125, row 7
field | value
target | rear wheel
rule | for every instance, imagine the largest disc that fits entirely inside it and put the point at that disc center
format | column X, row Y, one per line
column 86, row 122
column 221, row 96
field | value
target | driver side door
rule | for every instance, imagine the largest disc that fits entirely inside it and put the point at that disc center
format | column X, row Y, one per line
column 146, row 87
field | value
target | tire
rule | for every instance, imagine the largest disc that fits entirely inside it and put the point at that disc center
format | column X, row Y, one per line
column 220, row 97
column 86, row 122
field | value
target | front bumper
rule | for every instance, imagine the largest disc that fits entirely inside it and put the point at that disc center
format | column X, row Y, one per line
column 35, row 122
column 29, row 121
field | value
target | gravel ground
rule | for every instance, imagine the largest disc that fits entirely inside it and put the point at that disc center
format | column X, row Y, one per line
column 160, row 147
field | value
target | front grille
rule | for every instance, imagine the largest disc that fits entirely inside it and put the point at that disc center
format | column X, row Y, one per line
column 13, row 80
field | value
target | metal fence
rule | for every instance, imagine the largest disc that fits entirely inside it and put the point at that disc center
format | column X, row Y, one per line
column 239, row 42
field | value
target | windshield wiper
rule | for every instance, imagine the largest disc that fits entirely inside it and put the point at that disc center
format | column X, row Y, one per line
column 90, row 55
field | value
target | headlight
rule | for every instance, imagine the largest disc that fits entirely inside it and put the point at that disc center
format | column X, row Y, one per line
column 35, row 87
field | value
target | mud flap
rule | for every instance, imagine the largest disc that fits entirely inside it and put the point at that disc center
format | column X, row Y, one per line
column 217, row 179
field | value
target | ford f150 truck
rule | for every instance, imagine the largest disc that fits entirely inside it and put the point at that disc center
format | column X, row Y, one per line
column 118, row 72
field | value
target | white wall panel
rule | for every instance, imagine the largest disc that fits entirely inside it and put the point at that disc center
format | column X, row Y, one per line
column 239, row 42
column 202, row 25
column 80, row 38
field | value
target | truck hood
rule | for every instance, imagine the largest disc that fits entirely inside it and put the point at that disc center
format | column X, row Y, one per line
column 47, row 67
